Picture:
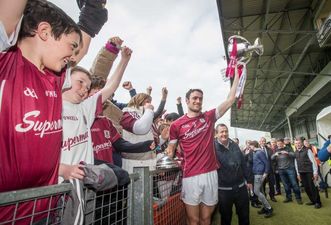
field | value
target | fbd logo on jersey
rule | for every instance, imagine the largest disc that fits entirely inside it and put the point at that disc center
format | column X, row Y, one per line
column 202, row 120
column 106, row 133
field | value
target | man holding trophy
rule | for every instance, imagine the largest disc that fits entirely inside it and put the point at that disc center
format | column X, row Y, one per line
column 194, row 133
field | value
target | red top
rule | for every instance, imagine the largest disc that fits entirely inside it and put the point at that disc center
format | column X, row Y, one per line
column 196, row 139
column 128, row 119
column 103, row 135
column 30, row 127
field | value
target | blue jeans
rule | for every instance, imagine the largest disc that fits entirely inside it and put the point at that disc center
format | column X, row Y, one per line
column 288, row 177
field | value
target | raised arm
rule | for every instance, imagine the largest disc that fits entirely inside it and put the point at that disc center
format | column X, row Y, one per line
column 92, row 17
column 114, row 80
column 11, row 12
column 127, row 85
column 149, row 90
column 160, row 109
column 105, row 58
column 179, row 106
column 222, row 108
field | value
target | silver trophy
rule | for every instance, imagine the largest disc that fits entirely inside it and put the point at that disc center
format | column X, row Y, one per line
column 240, row 55
column 245, row 49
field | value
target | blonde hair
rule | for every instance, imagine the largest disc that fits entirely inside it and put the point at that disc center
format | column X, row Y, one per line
column 138, row 100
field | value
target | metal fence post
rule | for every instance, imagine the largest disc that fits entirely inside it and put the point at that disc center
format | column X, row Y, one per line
column 141, row 197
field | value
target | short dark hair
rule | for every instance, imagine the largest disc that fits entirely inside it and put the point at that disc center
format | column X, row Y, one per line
column 38, row 11
column 254, row 143
column 192, row 90
column 97, row 82
column 280, row 140
column 172, row 116
column 221, row 125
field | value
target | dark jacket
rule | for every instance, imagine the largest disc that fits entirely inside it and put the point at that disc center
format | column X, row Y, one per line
column 303, row 161
column 284, row 161
column 260, row 162
column 233, row 170
column 271, row 163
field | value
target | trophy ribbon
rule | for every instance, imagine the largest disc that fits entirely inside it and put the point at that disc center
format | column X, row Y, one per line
column 233, row 60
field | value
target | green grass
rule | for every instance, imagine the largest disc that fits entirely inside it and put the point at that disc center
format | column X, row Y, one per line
column 289, row 213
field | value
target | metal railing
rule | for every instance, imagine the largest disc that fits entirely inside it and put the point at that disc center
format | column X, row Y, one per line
column 34, row 206
column 150, row 198
column 168, row 209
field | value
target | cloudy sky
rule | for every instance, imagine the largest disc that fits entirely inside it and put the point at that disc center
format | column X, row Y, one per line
column 176, row 44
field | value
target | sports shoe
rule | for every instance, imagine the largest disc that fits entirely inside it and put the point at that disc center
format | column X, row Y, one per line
column 310, row 203
column 268, row 213
column 287, row 200
column 255, row 205
column 299, row 201
column 318, row 205
column 273, row 199
column 262, row 211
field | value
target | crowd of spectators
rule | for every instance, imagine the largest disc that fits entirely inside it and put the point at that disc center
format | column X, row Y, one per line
column 57, row 117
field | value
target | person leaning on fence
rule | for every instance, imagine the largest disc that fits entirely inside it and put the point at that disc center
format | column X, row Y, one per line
column 194, row 133
column 78, row 115
column 232, row 178
column 137, row 124
column 30, row 122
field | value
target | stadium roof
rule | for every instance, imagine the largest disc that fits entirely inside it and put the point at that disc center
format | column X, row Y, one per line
column 292, row 59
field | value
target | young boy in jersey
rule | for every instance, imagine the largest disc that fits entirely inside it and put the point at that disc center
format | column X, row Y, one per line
column 31, row 103
column 79, row 113
column 106, row 139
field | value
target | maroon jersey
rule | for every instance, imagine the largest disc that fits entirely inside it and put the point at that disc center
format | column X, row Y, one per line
column 103, row 135
column 30, row 127
column 128, row 119
column 196, row 140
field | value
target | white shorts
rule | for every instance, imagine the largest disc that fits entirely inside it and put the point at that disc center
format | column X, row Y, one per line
column 200, row 188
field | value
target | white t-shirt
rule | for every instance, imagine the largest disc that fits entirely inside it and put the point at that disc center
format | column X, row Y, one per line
column 5, row 41
column 77, row 121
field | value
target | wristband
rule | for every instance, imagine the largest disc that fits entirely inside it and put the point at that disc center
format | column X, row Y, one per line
column 112, row 48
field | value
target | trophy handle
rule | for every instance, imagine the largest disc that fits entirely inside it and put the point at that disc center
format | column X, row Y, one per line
column 244, row 61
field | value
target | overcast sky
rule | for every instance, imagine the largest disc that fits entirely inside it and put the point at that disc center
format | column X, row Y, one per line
column 176, row 44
